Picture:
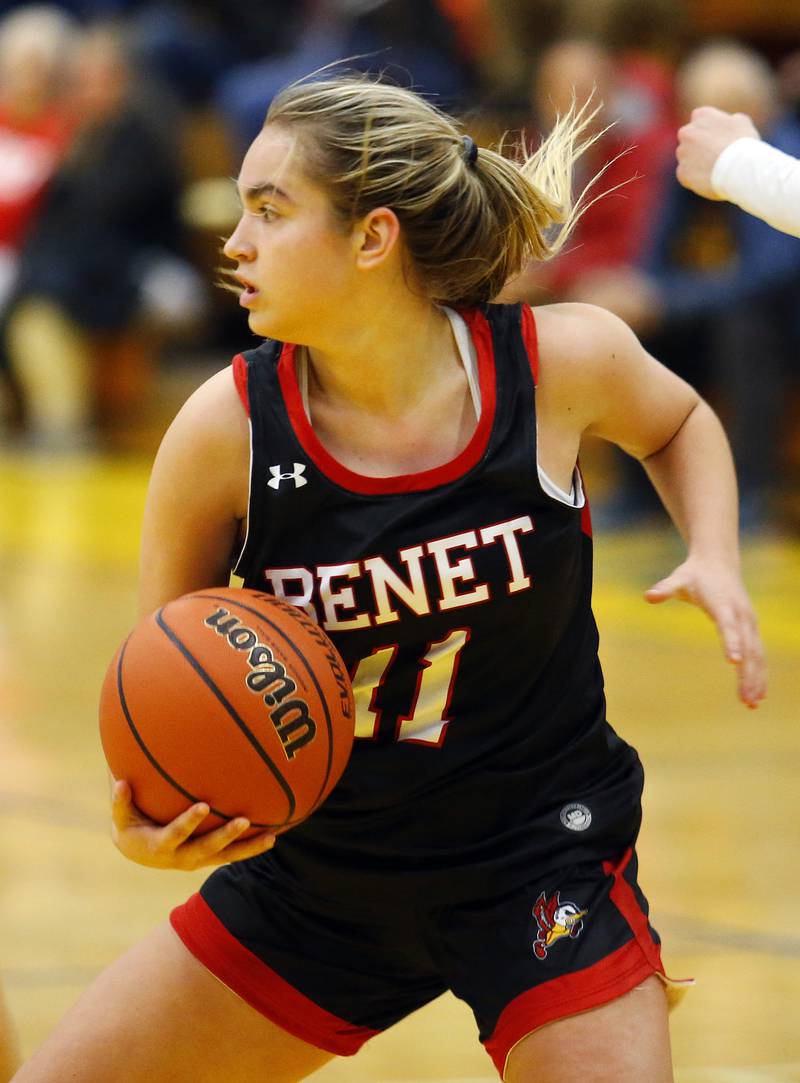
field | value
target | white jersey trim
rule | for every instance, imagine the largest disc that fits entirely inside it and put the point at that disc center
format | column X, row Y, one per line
column 249, row 495
column 575, row 498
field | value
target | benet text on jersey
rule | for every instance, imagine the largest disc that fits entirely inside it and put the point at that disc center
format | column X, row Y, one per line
column 436, row 576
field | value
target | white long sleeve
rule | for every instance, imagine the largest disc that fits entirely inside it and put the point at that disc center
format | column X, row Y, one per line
column 762, row 181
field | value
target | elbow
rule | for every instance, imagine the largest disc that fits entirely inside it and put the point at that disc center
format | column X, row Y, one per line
column 697, row 407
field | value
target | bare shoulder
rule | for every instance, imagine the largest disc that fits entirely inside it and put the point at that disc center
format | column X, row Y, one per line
column 215, row 408
column 209, row 439
column 583, row 337
column 581, row 348
column 597, row 378
column 197, row 498
column 213, row 416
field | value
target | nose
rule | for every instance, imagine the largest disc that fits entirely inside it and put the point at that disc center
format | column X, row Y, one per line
column 237, row 246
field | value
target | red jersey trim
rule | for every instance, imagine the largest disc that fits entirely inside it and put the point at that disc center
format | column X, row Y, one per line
column 240, row 379
column 591, row 987
column 250, row 978
column 586, row 512
column 531, row 340
column 402, row 483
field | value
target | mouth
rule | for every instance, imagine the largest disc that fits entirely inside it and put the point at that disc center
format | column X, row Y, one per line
column 249, row 291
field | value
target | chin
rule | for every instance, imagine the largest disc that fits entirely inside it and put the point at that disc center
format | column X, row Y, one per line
column 261, row 326
column 270, row 326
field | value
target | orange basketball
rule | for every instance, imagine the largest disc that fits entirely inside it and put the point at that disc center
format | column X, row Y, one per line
column 231, row 697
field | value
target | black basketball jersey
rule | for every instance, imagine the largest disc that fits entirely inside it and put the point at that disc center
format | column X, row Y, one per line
column 460, row 601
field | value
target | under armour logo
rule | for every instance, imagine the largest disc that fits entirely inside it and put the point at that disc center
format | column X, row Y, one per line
column 296, row 475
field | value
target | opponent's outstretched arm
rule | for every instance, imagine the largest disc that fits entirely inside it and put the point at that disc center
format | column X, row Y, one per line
column 721, row 156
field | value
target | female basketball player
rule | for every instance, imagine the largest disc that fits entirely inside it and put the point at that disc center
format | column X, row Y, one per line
column 407, row 472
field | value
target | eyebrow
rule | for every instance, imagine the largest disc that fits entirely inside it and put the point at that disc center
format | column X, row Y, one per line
column 256, row 191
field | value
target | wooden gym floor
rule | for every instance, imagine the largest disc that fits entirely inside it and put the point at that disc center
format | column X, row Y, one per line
column 719, row 850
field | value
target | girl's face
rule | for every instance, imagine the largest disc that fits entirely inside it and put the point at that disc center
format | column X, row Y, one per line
column 295, row 264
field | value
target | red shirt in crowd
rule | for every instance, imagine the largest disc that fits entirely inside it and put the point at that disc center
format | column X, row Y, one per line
column 29, row 155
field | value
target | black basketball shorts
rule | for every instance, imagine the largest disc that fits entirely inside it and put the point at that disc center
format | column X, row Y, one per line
column 335, row 973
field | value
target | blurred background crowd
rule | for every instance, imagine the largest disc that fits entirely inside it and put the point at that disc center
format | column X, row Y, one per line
column 122, row 122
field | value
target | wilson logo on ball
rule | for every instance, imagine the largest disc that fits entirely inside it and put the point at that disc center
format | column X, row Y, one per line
column 269, row 679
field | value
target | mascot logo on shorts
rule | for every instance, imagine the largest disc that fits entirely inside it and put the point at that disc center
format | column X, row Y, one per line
column 555, row 920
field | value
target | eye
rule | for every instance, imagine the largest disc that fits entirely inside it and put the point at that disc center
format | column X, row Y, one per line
column 268, row 213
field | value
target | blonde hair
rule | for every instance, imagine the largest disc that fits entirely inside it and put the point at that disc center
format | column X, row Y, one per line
column 468, row 226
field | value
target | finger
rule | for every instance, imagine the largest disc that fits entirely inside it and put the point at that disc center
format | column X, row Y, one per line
column 751, row 666
column 665, row 589
column 753, row 671
column 203, row 850
column 240, row 851
column 178, row 831
column 708, row 112
column 123, row 811
column 730, row 634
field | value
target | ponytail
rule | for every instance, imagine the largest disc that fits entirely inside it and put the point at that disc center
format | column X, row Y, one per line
column 471, row 219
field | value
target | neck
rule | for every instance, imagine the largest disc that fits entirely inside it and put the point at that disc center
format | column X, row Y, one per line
column 385, row 361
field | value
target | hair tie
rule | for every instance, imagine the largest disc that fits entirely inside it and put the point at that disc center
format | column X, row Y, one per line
column 470, row 153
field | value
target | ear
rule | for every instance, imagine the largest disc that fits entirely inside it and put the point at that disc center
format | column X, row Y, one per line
column 375, row 237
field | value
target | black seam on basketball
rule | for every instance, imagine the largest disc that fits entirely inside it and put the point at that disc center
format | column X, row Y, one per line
column 220, row 695
column 250, row 609
column 153, row 761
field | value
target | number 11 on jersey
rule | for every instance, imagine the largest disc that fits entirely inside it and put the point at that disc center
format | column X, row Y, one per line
column 426, row 721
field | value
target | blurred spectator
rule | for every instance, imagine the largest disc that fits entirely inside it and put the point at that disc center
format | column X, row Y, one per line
column 728, row 284
column 635, row 100
column 35, row 50
column 83, row 9
column 34, row 128
column 522, row 29
column 190, row 47
column 474, row 30
column 410, row 40
column 101, row 267
column 720, row 288
column 789, row 82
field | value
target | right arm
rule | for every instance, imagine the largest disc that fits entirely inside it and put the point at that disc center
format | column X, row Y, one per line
column 195, row 510
column 197, row 496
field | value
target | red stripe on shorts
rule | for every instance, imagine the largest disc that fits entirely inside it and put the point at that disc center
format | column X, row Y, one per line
column 624, row 898
column 617, row 974
column 246, row 975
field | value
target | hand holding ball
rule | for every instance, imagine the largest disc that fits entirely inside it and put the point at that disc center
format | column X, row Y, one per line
column 231, row 697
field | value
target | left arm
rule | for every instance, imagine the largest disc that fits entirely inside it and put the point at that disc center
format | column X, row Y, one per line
column 694, row 476
column 607, row 385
